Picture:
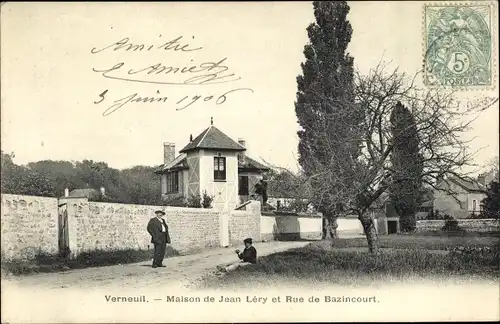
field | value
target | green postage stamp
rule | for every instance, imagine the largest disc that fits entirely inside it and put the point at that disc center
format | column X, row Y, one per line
column 458, row 44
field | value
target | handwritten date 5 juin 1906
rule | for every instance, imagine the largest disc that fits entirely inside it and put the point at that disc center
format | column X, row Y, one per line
column 183, row 103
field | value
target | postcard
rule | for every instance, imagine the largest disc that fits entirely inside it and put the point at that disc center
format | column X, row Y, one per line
column 249, row 161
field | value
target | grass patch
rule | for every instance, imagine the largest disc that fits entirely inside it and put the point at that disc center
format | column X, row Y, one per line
column 43, row 263
column 320, row 262
column 427, row 241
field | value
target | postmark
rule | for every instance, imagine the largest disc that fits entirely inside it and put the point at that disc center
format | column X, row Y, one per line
column 458, row 45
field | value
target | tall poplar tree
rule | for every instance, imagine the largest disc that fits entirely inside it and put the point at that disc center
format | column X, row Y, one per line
column 407, row 167
column 325, row 109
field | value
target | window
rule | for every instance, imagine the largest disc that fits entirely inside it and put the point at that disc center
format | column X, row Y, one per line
column 474, row 207
column 243, row 186
column 219, row 168
column 172, row 182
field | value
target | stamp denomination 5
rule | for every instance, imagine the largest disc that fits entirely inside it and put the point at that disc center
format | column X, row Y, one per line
column 458, row 45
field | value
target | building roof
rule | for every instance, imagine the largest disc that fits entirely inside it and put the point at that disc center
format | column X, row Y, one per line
column 180, row 163
column 467, row 184
column 251, row 164
column 83, row 193
column 213, row 138
column 428, row 203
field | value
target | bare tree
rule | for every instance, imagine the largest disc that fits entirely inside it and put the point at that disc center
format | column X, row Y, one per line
column 494, row 166
column 355, row 181
column 293, row 186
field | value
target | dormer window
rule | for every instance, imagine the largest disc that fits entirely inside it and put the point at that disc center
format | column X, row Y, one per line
column 219, row 168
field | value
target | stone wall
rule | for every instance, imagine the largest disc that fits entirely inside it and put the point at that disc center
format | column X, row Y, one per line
column 290, row 226
column 29, row 226
column 348, row 226
column 243, row 224
column 470, row 225
column 109, row 226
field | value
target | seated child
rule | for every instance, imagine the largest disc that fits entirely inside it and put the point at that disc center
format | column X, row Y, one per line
column 248, row 256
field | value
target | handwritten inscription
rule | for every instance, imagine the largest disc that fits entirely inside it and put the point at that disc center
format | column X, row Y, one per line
column 126, row 45
column 183, row 103
column 192, row 75
column 211, row 73
column 482, row 103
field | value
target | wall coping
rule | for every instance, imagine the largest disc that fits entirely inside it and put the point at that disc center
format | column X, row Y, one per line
column 165, row 208
column 283, row 213
column 27, row 196
column 462, row 220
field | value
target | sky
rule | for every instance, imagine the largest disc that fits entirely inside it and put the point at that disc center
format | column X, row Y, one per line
column 57, row 101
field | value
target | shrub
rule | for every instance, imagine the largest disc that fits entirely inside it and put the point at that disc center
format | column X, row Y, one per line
column 207, row 200
column 480, row 215
column 267, row 208
column 194, row 201
column 451, row 225
column 436, row 215
column 176, row 201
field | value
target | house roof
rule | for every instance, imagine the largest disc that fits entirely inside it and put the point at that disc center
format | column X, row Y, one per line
column 428, row 203
column 180, row 163
column 251, row 164
column 467, row 184
column 213, row 138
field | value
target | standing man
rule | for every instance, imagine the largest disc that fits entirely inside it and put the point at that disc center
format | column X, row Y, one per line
column 158, row 229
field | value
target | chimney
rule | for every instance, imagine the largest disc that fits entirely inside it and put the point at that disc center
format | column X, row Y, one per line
column 481, row 179
column 103, row 191
column 241, row 155
column 168, row 152
column 190, row 138
column 66, row 192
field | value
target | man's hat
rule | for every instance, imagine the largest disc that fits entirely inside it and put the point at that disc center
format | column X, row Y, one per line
column 159, row 211
column 247, row 240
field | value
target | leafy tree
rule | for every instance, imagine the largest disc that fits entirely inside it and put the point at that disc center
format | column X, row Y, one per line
column 407, row 167
column 36, row 184
column 294, row 187
column 261, row 189
column 61, row 174
column 11, row 173
column 491, row 204
column 326, row 88
column 137, row 185
column 140, row 185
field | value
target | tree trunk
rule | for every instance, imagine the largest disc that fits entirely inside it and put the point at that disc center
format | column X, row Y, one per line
column 330, row 227
column 370, row 232
column 326, row 229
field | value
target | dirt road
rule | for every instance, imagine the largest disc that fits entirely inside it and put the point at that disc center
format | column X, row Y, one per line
column 90, row 295
column 180, row 271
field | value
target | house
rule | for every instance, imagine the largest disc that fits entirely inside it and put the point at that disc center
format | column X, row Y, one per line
column 387, row 218
column 214, row 163
column 459, row 197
